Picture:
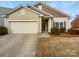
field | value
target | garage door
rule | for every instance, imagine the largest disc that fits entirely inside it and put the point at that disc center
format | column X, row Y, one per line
column 23, row 27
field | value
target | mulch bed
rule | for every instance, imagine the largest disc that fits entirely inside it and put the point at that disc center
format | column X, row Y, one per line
column 65, row 35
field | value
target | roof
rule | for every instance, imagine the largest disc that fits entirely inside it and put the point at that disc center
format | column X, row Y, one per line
column 42, row 12
column 30, row 8
column 52, row 8
column 36, row 10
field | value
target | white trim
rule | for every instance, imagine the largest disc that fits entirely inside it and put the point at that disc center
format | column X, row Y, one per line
column 40, row 25
column 23, row 20
column 13, row 9
column 49, row 25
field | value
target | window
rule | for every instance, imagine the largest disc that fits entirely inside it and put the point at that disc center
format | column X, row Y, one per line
column 57, row 24
column 61, row 24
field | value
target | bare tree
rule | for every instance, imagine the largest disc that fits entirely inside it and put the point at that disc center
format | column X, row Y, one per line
column 75, row 22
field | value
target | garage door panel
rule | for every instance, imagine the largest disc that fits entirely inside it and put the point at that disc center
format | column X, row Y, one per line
column 23, row 27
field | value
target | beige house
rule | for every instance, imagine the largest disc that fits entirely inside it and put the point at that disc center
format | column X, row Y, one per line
column 38, row 18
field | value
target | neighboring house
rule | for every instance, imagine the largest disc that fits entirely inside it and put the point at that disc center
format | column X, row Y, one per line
column 2, row 11
column 35, row 19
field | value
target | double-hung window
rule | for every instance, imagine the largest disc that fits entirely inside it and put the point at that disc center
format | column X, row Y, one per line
column 59, row 24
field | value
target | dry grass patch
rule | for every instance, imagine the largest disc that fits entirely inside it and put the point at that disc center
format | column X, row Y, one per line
column 57, row 46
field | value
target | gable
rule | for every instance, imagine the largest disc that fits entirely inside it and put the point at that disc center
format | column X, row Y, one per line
column 52, row 11
column 19, row 7
column 23, row 14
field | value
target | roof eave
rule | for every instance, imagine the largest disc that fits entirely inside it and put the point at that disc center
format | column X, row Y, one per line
column 4, row 15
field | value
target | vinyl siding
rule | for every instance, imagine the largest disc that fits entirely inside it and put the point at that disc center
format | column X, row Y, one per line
column 62, row 20
column 28, row 15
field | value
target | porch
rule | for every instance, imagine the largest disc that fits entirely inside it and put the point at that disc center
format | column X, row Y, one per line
column 46, row 23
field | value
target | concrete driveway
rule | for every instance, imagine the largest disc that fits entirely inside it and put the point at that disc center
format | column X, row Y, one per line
column 18, row 45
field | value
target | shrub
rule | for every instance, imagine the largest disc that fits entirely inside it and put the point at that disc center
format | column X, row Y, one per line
column 62, row 30
column 72, row 31
column 55, row 31
column 3, row 30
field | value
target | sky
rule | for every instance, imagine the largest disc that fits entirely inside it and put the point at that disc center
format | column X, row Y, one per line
column 69, row 7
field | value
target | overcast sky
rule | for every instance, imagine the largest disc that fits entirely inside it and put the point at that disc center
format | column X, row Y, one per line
column 69, row 7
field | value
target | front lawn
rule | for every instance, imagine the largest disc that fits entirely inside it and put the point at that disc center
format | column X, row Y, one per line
column 57, row 46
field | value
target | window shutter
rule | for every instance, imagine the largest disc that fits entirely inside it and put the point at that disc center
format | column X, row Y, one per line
column 53, row 23
column 64, row 24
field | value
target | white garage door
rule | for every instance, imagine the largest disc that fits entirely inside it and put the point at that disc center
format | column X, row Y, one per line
column 24, row 27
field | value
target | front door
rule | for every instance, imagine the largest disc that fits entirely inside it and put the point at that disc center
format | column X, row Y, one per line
column 45, row 26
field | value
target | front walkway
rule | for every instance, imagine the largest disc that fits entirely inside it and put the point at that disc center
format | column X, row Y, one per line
column 18, row 45
column 44, row 35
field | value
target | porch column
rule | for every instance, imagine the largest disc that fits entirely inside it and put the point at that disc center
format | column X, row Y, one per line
column 49, row 25
column 40, row 25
